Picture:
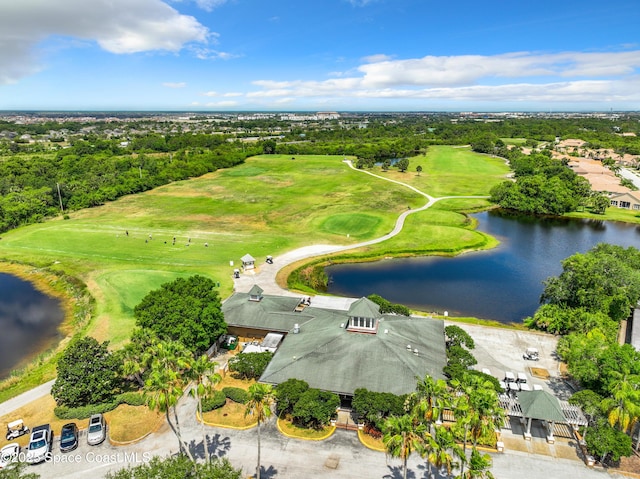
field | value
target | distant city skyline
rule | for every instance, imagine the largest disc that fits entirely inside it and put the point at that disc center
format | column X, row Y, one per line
column 319, row 55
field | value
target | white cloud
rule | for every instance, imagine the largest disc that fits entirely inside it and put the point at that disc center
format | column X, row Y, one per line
column 516, row 77
column 175, row 84
column 204, row 53
column 222, row 104
column 210, row 93
column 232, row 94
column 117, row 26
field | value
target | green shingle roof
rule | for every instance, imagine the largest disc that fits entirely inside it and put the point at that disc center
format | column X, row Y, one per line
column 364, row 308
column 541, row 405
column 328, row 357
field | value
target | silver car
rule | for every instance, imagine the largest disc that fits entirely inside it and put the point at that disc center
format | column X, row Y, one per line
column 97, row 431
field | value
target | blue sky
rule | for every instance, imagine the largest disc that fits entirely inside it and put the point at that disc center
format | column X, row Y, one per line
column 318, row 55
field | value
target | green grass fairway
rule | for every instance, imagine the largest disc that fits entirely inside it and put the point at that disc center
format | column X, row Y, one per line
column 267, row 206
column 452, row 171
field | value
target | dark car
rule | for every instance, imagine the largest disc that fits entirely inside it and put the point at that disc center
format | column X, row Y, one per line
column 69, row 437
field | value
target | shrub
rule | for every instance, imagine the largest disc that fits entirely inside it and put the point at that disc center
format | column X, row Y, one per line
column 236, row 394
column 84, row 412
column 288, row 393
column 215, row 401
column 131, row 398
column 250, row 365
column 315, row 408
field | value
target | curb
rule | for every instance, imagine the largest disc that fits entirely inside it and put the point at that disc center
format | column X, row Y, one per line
column 332, row 429
column 360, row 433
column 212, row 424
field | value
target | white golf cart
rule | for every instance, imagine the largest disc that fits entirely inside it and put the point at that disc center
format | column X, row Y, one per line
column 531, row 354
column 16, row 429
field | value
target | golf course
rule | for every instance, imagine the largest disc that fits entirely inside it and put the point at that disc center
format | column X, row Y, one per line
column 269, row 205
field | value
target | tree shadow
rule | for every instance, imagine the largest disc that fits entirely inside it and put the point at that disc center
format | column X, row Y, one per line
column 266, row 473
column 435, row 473
column 395, row 472
column 218, row 446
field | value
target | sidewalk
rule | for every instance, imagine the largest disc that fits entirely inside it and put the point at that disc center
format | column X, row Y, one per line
column 25, row 398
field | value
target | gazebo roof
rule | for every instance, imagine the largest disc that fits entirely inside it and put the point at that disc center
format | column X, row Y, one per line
column 541, row 405
column 247, row 258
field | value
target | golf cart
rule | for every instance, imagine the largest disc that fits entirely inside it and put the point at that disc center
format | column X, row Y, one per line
column 531, row 354
column 16, row 429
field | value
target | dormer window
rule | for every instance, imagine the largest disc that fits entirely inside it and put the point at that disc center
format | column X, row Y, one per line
column 255, row 294
column 358, row 322
column 363, row 316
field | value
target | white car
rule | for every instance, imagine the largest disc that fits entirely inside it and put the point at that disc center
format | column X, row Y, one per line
column 9, row 453
column 97, row 430
column 39, row 448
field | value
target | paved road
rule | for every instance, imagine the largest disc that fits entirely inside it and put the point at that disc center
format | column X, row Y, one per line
column 631, row 175
column 286, row 458
column 25, row 398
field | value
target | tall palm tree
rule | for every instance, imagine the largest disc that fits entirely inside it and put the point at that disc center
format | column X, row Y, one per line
column 165, row 384
column 204, row 378
column 259, row 405
column 444, row 449
column 401, row 437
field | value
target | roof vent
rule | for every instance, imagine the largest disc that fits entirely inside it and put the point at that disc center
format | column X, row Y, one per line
column 296, row 328
column 415, row 351
column 342, row 325
column 408, row 347
column 386, row 331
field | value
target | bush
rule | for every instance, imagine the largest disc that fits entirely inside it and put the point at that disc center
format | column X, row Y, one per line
column 84, row 412
column 250, row 365
column 132, row 399
column 236, row 394
column 288, row 393
column 215, row 401
column 315, row 408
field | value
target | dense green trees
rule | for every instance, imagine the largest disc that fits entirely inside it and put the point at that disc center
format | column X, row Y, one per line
column 542, row 186
column 288, row 393
column 375, row 407
column 185, row 310
column 87, row 374
column 178, row 467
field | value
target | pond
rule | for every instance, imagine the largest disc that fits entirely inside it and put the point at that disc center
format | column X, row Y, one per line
column 503, row 284
column 29, row 322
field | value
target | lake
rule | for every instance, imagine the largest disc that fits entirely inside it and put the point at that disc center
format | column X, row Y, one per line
column 502, row 284
column 29, row 322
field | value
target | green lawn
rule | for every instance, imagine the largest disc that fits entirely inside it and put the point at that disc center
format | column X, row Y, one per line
column 267, row 206
column 452, row 171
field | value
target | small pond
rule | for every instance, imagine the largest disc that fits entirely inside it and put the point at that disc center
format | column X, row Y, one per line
column 29, row 322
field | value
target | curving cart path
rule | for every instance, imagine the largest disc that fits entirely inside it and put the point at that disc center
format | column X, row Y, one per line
column 265, row 275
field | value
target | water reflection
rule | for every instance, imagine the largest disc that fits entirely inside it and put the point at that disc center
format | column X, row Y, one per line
column 503, row 284
column 29, row 322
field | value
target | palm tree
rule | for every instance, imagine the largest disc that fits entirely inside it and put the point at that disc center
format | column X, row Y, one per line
column 623, row 407
column 434, row 397
column 401, row 437
column 203, row 374
column 478, row 466
column 164, row 386
column 136, row 355
column 259, row 404
column 443, row 442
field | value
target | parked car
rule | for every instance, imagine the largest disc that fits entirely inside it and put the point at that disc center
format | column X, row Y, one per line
column 97, row 431
column 69, row 437
column 40, row 443
column 9, row 453
column 531, row 354
column 16, row 429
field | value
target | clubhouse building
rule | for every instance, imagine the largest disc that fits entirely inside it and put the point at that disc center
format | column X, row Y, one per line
column 341, row 345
